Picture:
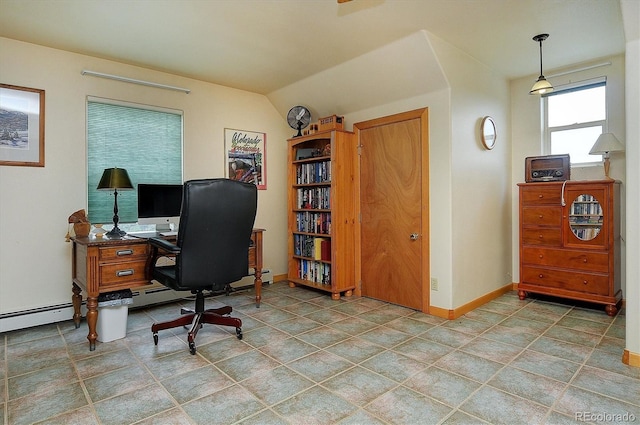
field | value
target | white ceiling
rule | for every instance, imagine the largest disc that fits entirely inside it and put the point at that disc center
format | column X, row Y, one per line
column 265, row 45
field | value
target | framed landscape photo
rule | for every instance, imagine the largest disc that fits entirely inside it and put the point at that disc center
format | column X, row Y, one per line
column 21, row 126
column 246, row 156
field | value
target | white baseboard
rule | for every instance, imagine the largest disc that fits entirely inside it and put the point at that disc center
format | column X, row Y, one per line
column 35, row 317
column 59, row 313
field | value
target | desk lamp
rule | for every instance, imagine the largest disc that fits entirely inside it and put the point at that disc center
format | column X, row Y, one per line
column 115, row 178
column 605, row 144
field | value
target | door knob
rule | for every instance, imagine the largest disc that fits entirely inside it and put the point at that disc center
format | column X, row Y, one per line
column 414, row 236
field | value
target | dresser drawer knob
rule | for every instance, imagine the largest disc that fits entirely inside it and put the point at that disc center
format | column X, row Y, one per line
column 540, row 216
column 122, row 252
column 539, row 236
column 584, row 261
column 540, row 275
column 585, row 282
column 540, row 196
column 540, row 256
column 127, row 272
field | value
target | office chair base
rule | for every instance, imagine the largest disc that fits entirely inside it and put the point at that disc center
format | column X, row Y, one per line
column 196, row 320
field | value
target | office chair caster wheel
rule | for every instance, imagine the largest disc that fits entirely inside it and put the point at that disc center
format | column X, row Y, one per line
column 155, row 338
column 192, row 348
column 239, row 333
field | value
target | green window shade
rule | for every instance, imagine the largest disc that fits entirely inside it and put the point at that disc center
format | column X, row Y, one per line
column 145, row 142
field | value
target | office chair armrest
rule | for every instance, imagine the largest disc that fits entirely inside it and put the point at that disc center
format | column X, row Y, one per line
column 164, row 245
column 156, row 245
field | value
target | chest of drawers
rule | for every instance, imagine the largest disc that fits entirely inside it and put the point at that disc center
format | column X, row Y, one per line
column 569, row 241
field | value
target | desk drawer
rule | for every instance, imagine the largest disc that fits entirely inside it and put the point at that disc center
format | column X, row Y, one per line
column 570, row 281
column 541, row 236
column 115, row 274
column 542, row 216
column 579, row 260
column 122, row 252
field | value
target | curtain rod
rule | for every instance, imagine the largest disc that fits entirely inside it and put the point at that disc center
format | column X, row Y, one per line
column 586, row 68
column 134, row 81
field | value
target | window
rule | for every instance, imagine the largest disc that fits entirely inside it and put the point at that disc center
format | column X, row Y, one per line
column 574, row 119
column 145, row 141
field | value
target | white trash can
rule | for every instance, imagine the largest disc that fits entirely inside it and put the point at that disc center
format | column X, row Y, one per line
column 112, row 315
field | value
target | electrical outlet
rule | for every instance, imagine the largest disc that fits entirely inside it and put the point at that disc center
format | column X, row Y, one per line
column 434, row 284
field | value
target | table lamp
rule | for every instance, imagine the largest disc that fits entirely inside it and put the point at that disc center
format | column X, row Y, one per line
column 114, row 179
column 605, row 144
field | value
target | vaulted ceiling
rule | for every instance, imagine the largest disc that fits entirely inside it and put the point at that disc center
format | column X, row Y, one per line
column 265, row 45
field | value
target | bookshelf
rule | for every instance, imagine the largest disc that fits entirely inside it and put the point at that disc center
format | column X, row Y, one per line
column 321, row 209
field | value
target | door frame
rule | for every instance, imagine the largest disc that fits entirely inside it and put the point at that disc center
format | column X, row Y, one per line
column 423, row 115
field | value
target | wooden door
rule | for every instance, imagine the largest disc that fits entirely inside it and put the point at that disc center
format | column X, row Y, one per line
column 394, row 230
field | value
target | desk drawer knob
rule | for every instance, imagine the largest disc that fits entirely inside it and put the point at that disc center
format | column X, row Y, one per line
column 127, row 272
column 124, row 252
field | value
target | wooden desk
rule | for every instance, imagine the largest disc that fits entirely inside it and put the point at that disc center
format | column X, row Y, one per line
column 104, row 265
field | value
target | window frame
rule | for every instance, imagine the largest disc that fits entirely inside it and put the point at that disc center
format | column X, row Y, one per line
column 565, row 89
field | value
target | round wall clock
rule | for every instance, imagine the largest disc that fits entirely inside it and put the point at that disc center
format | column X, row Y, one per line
column 488, row 133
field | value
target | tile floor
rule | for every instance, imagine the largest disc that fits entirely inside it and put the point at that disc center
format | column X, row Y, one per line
column 306, row 359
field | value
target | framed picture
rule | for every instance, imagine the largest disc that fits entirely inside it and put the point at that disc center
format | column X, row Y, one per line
column 246, row 156
column 21, row 126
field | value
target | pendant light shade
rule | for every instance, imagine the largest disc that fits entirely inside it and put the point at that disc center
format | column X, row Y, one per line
column 541, row 86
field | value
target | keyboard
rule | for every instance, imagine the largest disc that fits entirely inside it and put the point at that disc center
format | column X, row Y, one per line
column 168, row 233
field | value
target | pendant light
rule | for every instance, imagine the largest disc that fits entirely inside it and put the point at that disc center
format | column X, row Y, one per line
column 541, row 86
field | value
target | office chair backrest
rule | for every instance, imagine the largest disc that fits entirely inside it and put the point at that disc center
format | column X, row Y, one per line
column 215, row 231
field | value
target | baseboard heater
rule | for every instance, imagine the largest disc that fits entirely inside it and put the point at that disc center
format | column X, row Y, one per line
column 61, row 312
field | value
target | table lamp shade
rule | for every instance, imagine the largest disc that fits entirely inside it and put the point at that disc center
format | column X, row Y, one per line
column 115, row 178
column 607, row 142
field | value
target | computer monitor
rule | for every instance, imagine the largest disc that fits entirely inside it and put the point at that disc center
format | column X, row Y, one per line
column 160, row 204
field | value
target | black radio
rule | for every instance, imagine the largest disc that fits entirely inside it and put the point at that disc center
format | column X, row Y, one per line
column 547, row 168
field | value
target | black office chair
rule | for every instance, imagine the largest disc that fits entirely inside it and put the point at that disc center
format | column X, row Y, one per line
column 211, row 250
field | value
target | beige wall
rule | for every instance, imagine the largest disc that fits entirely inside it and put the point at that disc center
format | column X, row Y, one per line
column 35, row 262
column 631, row 15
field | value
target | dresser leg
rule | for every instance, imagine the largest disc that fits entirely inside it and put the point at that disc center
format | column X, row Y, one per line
column 611, row 309
column 76, row 299
column 92, row 320
column 522, row 294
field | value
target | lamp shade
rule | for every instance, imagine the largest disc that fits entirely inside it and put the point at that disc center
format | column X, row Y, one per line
column 607, row 142
column 115, row 178
column 541, row 86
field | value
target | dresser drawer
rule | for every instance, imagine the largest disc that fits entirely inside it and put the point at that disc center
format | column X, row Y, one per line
column 537, row 195
column 568, row 259
column 542, row 216
column 122, row 252
column 566, row 280
column 123, row 272
column 541, row 236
